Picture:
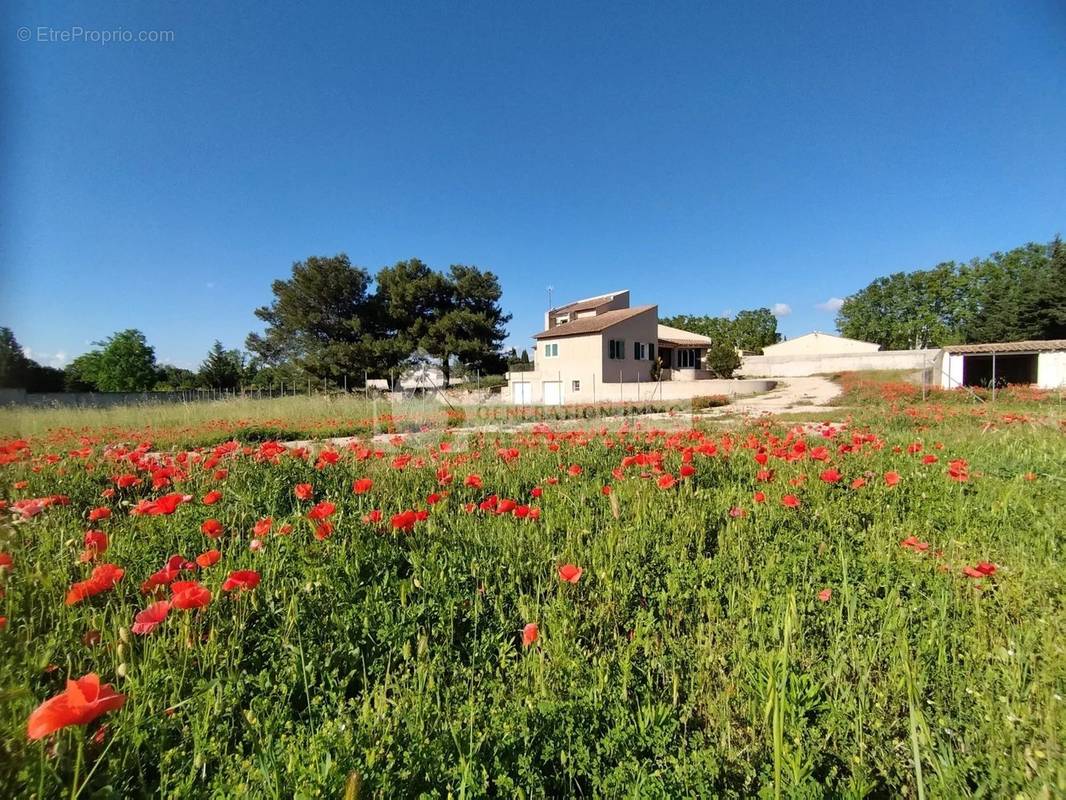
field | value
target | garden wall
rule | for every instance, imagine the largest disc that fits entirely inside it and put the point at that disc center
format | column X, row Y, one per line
column 799, row 366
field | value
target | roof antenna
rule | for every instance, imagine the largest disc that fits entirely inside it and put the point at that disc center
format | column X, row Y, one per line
column 550, row 290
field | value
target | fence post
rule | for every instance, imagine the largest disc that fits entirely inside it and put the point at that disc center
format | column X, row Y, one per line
column 993, row 376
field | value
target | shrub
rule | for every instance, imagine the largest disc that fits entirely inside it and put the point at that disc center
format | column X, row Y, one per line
column 709, row 401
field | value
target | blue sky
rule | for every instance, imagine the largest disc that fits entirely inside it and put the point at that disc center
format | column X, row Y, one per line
column 707, row 156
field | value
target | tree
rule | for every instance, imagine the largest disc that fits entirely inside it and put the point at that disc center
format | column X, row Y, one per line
column 1043, row 309
column 468, row 325
column 748, row 330
column 753, row 330
column 1010, row 296
column 13, row 361
column 175, row 379
column 126, row 363
column 722, row 358
column 222, row 369
column 409, row 298
column 321, row 320
column 80, row 374
column 19, row 372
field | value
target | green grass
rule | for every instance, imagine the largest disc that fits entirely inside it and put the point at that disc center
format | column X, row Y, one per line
column 693, row 658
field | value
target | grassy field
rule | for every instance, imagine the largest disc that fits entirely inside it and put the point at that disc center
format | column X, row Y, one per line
column 871, row 609
column 204, row 423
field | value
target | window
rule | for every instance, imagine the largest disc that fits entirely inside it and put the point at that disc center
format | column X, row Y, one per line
column 616, row 349
column 562, row 320
column 688, row 358
column 643, row 351
column 551, row 350
column 575, row 386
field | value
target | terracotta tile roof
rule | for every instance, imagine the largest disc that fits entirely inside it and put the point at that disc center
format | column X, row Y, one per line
column 1008, row 347
column 595, row 324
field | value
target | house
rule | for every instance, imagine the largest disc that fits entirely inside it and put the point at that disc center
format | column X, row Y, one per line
column 818, row 344
column 1040, row 362
column 599, row 341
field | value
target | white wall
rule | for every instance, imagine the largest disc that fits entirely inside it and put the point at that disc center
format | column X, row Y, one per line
column 629, row 392
column 820, row 364
column 1051, row 370
column 951, row 371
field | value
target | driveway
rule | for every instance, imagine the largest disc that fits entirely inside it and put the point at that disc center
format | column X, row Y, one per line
column 790, row 395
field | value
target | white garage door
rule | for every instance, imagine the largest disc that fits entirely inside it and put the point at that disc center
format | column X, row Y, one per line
column 522, row 393
column 553, row 393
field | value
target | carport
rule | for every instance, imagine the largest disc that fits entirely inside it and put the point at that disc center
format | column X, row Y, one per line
column 1001, row 363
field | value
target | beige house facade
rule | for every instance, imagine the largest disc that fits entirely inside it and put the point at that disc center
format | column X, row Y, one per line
column 591, row 345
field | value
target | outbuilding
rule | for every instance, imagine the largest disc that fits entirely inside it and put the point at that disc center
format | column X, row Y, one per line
column 1042, row 363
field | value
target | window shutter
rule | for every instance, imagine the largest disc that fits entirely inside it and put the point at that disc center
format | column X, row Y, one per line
column 651, row 351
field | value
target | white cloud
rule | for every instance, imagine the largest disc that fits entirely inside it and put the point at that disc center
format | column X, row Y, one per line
column 57, row 359
column 781, row 309
column 832, row 304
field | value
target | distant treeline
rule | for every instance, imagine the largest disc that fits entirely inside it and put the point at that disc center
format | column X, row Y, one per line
column 1014, row 296
column 331, row 323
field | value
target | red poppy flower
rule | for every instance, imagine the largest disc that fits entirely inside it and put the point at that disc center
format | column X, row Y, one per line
column 825, row 595
column 84, row 700
column 605, row 491
column 103, row 577
column 929, row 459
column 759, row 497
column 243, row 579
column 321, row 510
column 570, row 573
column 830, row 475
column 208, row 558
column 212, row 528
column 891, row 478
column 737, row 513
column 167, row 504
column 529, row 634
column 474, row 481
column 323, row 530
column 858, row 483
column 99, row 513
column 687, row 471
column 506, row 506
column 148, row 620
column 667, row 481
column 189, row 595
column 574, row 470
column 434, row 498
column 362, row 486
column 303, row 491
column 404, row 521
column 3, row 623
column 790, row 501
column 126, row 481
column 212, row 497
column 373, row 517
column 96, row 543
column 6, row 561
column 263, row 526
